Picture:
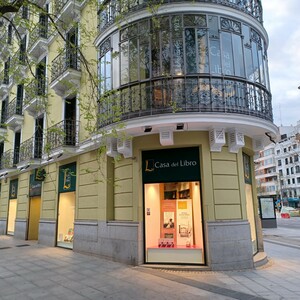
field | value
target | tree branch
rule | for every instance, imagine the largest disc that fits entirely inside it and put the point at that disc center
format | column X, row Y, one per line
column 11, row 7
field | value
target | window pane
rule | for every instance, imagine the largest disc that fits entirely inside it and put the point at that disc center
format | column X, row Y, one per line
column 124, row 63
column 190, row 48
column 215, row 58
column 165, row 53
column 133, row 55
column 203, row 51
column 227, row 55
column 239, row 69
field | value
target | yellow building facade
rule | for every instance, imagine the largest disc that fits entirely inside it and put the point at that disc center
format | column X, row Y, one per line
column 132, row 134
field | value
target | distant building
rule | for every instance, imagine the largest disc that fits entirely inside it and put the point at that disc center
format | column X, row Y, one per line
column 277, row 169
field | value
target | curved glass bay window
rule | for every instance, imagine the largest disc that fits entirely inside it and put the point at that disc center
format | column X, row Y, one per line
column 195, row 62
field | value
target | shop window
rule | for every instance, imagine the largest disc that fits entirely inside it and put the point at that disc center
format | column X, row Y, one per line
column 173, row 222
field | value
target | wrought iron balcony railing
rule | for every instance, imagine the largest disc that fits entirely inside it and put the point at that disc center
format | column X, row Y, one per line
column 7, row 161
column 31, row 149
column 4, row 77
column 68, row 59
column 109, row 11
column 185, row 95
column 64, row 133
column 59, row 5
column 36, row 88
column 14, row 107
column 40, row 31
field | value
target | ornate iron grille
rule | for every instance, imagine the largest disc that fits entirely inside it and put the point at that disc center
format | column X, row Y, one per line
column 36, row 89
column 14, row 107
column 186, row 94
column 109, row 11
column 68, row 59
column 64, row 133
column 31, row 149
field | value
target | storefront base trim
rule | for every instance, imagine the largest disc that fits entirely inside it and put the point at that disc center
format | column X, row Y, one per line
column 229, row 245
column 188, row 256
column 21, row 229
column 116, row 240
column 47, row 232
column 3, row 223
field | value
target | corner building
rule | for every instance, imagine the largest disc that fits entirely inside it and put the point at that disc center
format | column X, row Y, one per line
column 185, row 87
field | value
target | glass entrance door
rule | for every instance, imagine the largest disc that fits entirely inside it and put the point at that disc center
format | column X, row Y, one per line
column 66, row 216
column 12, row 213
column 173, row 223
column 34, row 218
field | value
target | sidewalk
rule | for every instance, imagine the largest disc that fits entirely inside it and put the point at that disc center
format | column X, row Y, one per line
column 31, row 271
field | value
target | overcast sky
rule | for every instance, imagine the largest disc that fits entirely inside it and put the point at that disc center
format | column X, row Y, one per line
column 282, row 22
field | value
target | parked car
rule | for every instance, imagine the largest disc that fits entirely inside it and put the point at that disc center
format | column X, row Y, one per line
column 290, row 210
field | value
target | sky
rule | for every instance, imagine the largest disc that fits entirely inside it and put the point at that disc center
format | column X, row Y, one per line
column 282, row 22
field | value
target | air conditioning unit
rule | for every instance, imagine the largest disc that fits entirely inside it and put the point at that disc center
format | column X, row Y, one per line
column 235, row 141
column 112, row 147
column 217, row 139
column 124, row 146
column 166, row 137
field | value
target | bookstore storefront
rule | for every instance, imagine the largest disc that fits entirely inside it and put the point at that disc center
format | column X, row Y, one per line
column 172, row 206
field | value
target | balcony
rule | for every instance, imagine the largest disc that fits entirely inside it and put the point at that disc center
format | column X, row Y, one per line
column 193, row 95
column 65, row 73
column 108, row 13
column 35, row 101
column 15, row 117
column 8, row 162
column 21, row 20
column 18, row 66
column 5, row 83
column 38, row 41
column 6, row 47
column 66, row 11
column 61, row 140
column 30, row 153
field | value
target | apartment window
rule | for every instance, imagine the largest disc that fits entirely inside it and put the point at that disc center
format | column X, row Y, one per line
column 289, row 148
column 292, row 170
column 71, row 48
column 19, row 103
column 282, row 182
column 4, row 112
column 2, row 152
column 284, row 150
column 295, row 146
column 297, row 169
column 22, row 53
column 293, row 180
column 279, row 162
column 291, row 160
column 296, row 158
column 289, row 181
column 105, row 66
column 17, row 147
column 9, row 34
column 298, row 179
column 280, row 173
column 286, row 161
column 6, row 71
column 287, row 171
column 278, row 152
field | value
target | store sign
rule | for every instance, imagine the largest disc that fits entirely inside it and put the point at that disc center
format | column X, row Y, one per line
column 13, row 189
column 67, row 178
column 35, row 187
column 171, row 165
